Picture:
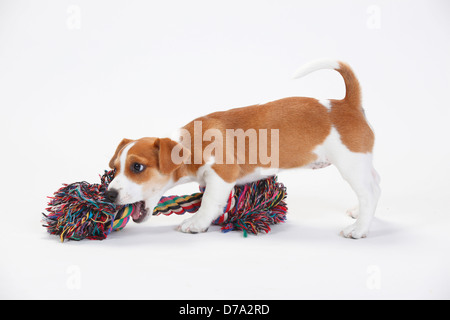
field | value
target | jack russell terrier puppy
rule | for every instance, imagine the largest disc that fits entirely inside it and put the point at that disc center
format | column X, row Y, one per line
column 304, row 133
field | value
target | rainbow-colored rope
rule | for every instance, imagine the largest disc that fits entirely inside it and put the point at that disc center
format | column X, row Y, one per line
column 80, row 210
column 259, row 205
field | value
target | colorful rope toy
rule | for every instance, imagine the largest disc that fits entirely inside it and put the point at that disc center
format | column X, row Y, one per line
column 81, row 211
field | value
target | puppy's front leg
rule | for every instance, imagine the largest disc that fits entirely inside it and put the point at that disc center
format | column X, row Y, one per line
column 214, row 199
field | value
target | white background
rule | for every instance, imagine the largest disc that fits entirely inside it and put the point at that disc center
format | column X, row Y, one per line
column 78, row 76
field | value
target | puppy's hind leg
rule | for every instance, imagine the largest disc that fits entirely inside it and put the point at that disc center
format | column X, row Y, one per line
column 354, row 211
column 357, row 169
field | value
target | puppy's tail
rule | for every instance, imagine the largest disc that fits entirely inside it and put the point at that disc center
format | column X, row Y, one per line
column 352, row 88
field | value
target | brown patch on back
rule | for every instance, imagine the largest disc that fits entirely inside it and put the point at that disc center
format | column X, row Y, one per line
column 348, row 115
column 303, row 123
column 352, row 126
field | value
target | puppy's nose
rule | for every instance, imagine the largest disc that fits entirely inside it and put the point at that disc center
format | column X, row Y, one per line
column 112, row 195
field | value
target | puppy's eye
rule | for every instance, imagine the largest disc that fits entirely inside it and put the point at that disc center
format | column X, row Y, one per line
column 137, row 167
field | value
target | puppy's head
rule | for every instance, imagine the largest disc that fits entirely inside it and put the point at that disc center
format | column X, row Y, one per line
column 144, row 170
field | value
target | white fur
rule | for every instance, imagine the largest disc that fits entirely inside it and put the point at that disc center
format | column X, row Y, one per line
column 326, row 103
column 258, row 174
column 176, row 135
column 357, row 169
column 129, row 191
column 214, row 200
column 316, row 65
column 211, row 160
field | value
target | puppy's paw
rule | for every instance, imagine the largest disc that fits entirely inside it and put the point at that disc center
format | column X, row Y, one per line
column 353, row 212
column 354, row 232
column 194, row 225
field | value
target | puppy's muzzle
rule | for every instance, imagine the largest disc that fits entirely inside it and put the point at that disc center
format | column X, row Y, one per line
column 112, row 195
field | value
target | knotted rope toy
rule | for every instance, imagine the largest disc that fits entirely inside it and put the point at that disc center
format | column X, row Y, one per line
column 81, row 211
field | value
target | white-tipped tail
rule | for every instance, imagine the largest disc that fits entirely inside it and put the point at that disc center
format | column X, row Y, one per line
column 316, row 65
column 352, row 89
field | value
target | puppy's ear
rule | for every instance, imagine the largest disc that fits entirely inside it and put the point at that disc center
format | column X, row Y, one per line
column 171, row 155
column 121, row 145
